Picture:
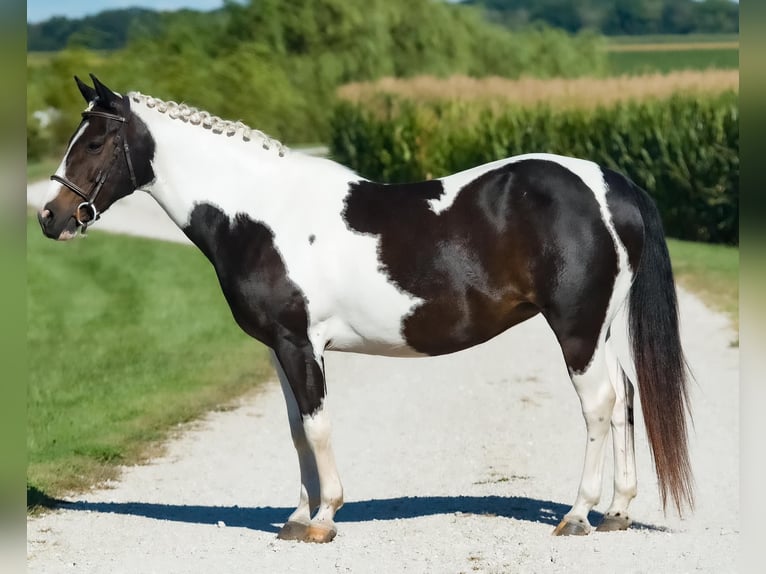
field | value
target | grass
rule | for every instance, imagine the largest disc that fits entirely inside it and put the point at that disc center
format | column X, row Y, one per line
column 710, row 271
column 561, row 92
column 678, row 47
column 127, row 338
column 667, row 53
column 660, row 60
column 42, row 168
column 672, row 39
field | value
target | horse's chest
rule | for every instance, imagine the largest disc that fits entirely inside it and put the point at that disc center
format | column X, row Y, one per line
column 263, row 299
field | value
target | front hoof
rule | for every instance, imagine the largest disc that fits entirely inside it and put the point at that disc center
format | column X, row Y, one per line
column 293, row 531
column 566, row 528
column 613, row 523
column 320, row 533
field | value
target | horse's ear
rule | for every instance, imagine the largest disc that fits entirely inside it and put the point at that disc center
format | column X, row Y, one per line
column 87, row 92
column 106, row 97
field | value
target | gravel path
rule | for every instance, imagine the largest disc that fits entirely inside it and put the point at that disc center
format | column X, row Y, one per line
column 473, row 483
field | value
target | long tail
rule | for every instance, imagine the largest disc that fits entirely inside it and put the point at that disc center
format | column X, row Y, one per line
column 659, row 360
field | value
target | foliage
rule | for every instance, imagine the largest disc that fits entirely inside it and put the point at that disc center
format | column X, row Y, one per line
column 168, row 350
column 107, row 30
column 684, row 150
column 710, row 271
column 618, row 17
column 277, row 68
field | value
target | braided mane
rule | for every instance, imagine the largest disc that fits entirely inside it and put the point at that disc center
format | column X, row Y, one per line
column 208, row 121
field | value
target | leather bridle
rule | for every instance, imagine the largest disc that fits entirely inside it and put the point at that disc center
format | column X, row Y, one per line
column 120, row 144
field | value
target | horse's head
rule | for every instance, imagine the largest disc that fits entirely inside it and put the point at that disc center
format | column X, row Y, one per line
column 108, row 157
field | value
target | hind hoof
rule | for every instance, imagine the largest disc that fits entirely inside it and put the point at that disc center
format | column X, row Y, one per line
column 613, row 523
column 566, row 528
column 320, row 533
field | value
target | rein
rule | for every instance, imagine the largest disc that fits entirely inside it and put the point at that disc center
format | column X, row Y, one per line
column 120, row 143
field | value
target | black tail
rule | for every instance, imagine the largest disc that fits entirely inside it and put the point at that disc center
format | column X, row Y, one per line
column 659, row 360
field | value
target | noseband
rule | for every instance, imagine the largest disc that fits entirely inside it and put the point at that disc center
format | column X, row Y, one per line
column 120, row 143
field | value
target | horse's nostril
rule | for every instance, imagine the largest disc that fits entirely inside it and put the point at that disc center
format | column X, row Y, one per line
column 44, row 216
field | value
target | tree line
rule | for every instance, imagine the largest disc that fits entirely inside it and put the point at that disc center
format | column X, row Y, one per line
column 113, row 29
column 618, row 17
column 277, row 68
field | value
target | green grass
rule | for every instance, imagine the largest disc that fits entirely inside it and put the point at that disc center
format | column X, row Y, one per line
column 672, row 38
column 634, row 63
column 127, row 337
column 711, row 271
column 672, row 58
column 42, row 169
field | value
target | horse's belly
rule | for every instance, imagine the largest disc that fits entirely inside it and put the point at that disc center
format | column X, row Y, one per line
column 370, row 334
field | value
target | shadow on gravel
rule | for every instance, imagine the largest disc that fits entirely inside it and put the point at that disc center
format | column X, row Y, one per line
column 265, row 518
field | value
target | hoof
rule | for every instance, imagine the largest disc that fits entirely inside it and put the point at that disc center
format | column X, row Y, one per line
column 566, row 528
column 613, row 522
column 293, row 531
column 320, row 533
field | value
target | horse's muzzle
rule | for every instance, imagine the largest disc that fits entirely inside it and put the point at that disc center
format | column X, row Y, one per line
column 52, row 228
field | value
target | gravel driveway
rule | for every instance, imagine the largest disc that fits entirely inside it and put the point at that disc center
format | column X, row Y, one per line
column 472, row 483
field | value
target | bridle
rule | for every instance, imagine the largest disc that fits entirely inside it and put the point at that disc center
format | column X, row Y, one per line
column 120, row 144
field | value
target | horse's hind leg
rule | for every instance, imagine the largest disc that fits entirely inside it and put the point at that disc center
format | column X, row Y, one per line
column 625, row 488
column 597, row 399
column 303, row 385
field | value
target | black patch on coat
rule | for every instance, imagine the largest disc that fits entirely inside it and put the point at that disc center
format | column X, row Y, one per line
column 312, row 238
column 521, row 239
column 264, row 301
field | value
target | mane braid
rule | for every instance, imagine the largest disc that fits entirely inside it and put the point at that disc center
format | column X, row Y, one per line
column 208, row 121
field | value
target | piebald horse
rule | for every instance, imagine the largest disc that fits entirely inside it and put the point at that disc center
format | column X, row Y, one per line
column 310, row 256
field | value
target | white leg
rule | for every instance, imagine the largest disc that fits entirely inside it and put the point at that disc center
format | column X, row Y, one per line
column 317, row 430
column 597, row 398
column 320, row 483
column 625, row 486
column 309, row 489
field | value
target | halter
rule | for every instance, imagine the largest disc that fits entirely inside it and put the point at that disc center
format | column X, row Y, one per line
column 120, row 142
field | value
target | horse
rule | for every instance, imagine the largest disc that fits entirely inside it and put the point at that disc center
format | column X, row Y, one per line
column 311, row 257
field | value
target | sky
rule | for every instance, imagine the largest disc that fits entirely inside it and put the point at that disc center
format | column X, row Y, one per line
column 39, row 10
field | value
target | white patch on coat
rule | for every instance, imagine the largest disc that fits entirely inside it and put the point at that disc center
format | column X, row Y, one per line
column 352, row 305
column 589, row 172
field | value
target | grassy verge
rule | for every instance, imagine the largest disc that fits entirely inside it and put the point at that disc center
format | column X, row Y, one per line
column 711, row 272
column 127, row 338
column 42, row 168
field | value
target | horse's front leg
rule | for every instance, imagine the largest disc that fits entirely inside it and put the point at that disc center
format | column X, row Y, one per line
column 302, row 380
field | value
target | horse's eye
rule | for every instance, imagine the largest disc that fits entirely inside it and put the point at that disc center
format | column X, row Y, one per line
column 95, row 146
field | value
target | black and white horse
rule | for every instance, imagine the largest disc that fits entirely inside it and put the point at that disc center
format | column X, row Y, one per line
column 311, row 256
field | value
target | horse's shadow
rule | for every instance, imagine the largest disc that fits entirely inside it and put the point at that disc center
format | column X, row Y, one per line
column 266, row 518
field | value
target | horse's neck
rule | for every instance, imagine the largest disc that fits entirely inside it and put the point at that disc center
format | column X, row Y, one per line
column 192, row 166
